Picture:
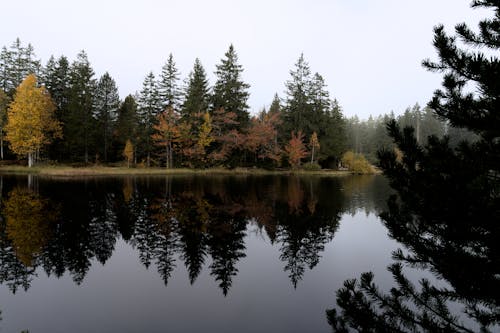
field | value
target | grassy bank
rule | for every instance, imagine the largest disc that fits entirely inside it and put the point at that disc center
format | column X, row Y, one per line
column 68, row 171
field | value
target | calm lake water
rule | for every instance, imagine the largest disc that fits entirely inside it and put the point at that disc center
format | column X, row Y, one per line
column 185, row 254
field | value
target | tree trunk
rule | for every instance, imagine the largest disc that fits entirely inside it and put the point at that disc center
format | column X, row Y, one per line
column 30, row 160
column 171, row 155
column 1, row 146
column 312, row 155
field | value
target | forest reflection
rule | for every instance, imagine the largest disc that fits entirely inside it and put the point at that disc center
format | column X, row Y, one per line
column 62, row 226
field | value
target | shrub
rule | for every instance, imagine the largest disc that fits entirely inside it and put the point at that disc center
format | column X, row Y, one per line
column 311, row 166
column 357, row 163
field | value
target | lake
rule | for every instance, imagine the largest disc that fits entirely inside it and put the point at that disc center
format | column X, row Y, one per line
column 186, row 253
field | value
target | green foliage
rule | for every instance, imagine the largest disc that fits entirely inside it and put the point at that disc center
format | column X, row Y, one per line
column 311, row 166
column 308, row 108
column 107, row 102
column 230, row 91
column 17, row 62
column 168, row 85
column 127, row 122
column 4, row 104
column 149, row 107
column 445, row 212
column 79, row 123
column 197, row 97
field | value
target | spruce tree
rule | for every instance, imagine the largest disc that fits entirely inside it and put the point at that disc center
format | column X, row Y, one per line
column 230, row 91
column 16, row 63
column 23, row 63
column 106, row 105
column 308, row 108
column 168, row 85
column 197, row 93
column 275, row 106
column 57, row 81
column 4, row 104
column 127, row 122
column 5, row 64
column 149, row 106
column 297, row 101
column 79, row 123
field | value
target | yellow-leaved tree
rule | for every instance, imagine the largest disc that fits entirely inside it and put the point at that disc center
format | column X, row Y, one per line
column 128, row 152
column 30, row 120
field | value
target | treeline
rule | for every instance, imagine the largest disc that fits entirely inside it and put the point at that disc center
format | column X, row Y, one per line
column 186, row 123
column 366, row 137
column 171, row 123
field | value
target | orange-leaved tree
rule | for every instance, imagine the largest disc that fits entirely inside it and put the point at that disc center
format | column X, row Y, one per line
column 296, row 149
column 167, row 133
column 262, row 137
column 30, row 120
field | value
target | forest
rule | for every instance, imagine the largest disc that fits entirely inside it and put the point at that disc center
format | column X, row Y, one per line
column 61, row 112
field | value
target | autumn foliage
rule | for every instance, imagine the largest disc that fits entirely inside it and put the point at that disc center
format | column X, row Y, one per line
column 296, row 149
column 30, row 120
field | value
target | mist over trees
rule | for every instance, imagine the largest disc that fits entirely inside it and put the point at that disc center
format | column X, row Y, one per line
column 189, row 123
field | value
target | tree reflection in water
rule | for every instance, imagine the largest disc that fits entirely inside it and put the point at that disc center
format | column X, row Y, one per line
column 63, row 226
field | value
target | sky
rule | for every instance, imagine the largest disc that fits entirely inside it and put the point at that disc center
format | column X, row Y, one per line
column 369, row 52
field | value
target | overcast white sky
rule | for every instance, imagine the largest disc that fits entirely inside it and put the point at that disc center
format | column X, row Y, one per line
column 369, row 52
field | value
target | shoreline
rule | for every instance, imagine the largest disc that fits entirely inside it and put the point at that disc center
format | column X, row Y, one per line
column 68, row 171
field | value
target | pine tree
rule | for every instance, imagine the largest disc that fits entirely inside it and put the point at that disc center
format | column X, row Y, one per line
column 230, row 91
column 149, row 107
column 446, row 208
column 168, row 85
column 107, row 102
column 197, row 93
column 79, row 123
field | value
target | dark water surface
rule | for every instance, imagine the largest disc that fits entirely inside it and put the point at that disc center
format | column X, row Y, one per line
column 185, row 254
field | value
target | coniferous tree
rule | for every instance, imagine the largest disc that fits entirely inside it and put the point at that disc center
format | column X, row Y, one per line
column 79, row 122
column 57, row 81
column 446, row 209
column 107, row 102
column 149, row 107
column 16, row 63
column 297, row 103
column 22, row 63
column 4, row 104
column 197, row 93
column 5, row 63
column 275, row 106
column 308, row 108
column 127, row 124
column 168, row 85
column 230, row 91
